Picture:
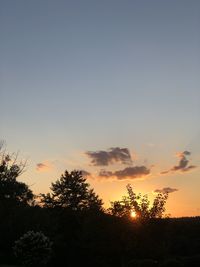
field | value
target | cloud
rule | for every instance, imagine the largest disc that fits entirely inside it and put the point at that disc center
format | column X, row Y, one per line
column 127, row 173
column 183, row 163
column 166, row 190
column 86, row 173
column 104, row 173
column 189, row 168
column 111, row 156
column 132, row 172
column 44, row 166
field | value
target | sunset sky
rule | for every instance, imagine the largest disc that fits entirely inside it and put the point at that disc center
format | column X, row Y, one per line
column 109, row 87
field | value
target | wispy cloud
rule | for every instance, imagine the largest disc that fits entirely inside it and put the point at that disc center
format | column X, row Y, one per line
column 183, row 164
column 127, row 173
column 85, row 173
column 111, row 156
column 44, row 166
column 166, row 190
column 105, row 174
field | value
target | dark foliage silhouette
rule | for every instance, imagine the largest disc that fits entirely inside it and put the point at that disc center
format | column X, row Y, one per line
column 140, row 205
column 71, row 191
column 82, row 237
column 11, row 190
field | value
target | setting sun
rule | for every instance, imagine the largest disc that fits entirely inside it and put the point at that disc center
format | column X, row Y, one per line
column 133, row 214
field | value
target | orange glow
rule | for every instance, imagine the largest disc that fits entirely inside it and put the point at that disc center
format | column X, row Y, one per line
column 133, row 214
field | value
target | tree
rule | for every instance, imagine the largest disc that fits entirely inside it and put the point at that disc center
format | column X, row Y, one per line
column 11, row 190
column 71, row 191
column 140, row 205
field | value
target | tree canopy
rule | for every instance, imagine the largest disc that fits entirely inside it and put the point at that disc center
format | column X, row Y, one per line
column 140, row 205
column 71, row 191
column 11, row 190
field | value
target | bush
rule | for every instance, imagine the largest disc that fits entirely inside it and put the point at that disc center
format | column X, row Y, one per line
column 172, row 263
column 33, row 249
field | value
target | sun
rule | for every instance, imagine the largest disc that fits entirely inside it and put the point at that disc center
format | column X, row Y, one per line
column 133, row 214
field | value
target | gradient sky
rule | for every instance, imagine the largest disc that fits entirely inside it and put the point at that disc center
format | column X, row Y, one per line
column 78, row 76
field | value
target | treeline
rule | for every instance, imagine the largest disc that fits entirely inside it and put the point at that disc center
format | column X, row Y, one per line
column 69, row 226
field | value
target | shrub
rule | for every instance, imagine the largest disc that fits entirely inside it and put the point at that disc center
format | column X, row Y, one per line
column 33, row 249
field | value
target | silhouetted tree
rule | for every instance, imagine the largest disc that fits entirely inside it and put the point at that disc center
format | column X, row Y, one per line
column 71, row 191
column 120, row 208
column 11, row 190
column 158, row 207
column 140, row 205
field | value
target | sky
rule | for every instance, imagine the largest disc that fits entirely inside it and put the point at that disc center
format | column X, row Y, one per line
column 109, row 87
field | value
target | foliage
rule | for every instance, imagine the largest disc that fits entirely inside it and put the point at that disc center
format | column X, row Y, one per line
column 11, row 190
column 140, row 204
column 33, row 249
column 71, row 191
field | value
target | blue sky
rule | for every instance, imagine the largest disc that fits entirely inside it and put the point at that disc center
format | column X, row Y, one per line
column 82, row 76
